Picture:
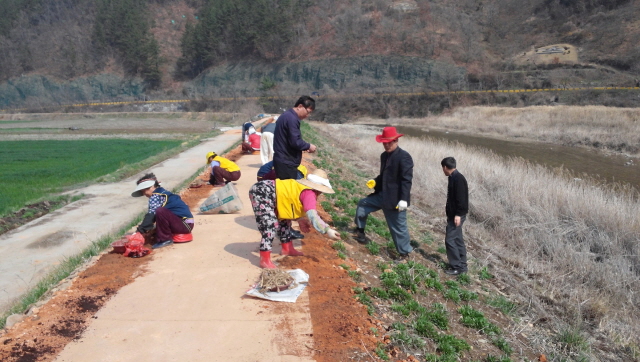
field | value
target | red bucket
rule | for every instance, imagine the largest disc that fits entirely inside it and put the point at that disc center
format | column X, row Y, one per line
column 182, row 238
column 118, row 246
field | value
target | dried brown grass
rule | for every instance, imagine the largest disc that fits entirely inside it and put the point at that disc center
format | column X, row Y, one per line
column 609, row 128
column 570, row 249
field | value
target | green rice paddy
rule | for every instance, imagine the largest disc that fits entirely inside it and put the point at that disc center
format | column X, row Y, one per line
column 32, row 170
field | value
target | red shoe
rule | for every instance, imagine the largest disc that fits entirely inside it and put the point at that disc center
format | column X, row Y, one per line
column 265, row 260
column 288, row 249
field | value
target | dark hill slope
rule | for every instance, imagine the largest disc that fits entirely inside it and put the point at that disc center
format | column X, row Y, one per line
column 467, row 44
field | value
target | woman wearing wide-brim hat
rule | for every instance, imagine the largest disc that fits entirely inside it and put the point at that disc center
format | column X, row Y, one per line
column 167, row 211
column 277, row 202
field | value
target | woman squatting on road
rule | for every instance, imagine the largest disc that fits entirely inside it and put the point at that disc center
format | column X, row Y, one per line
column 166, row 209
column 223, row 170
column 277, row 202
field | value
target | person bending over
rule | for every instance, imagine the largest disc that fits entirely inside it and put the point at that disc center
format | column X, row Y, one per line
column 223, row 170
column 266, row 141
column 277, row 202
column 166, row 210
column 252, row 143
column 267, row 172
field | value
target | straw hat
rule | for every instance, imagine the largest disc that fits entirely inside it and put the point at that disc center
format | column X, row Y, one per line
column 388, row 134
column 319, row 181
column 143, row 185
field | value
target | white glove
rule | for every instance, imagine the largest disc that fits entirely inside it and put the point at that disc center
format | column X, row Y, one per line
column 333, row 234
column 402, row 205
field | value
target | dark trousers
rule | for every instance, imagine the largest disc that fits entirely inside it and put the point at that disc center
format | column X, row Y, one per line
column 246, row 147
column 285, row 172
column 167, row 224
column 396, row 220
column 456, row 251
column 219, row 175
column 271, row 175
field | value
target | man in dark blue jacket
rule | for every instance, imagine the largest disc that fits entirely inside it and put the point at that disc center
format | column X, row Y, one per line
column 456, row 210
column 287, row 141
column 392, row 193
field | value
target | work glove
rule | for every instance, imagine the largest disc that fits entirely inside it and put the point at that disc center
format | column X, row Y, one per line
column 402, row 205
column 333, row 234
column 371, row 184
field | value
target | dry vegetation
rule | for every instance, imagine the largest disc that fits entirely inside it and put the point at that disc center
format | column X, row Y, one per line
column 54, row 37
column 567, row 251
column 607, row 128
column 147, row 125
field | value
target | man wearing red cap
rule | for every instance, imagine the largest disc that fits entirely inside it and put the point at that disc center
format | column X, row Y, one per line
column 392, row 192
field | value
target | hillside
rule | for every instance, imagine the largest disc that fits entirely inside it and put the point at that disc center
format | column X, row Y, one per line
column 161, row 48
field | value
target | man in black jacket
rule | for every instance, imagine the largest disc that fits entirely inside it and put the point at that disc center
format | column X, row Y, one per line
column 392, row 193
column 456, row 210
column 287, row 140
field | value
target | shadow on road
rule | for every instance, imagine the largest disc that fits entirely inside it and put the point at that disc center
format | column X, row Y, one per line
column 247, row 250
column 248, row 221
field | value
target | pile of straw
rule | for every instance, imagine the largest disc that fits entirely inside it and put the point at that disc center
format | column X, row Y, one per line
column 275, row 280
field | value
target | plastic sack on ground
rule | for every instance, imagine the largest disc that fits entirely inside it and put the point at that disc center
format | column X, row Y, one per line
column 289, row 295
column 224, row 201
column 135, row 246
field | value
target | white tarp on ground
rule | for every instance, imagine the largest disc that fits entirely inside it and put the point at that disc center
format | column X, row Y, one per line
column 224, row 201
column 290, row 295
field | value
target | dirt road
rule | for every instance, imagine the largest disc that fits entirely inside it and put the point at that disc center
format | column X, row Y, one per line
column 192, row 293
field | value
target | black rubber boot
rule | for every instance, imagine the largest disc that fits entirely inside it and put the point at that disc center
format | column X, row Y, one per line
column 295, row 234
column 361, row 237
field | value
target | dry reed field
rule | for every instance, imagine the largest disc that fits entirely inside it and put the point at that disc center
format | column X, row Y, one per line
column 608, row 128
column 568, row 250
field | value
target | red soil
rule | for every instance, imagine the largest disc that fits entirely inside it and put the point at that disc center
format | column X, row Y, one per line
column 342, row 329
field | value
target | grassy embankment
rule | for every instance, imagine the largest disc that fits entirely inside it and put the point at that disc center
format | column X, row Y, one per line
column 430, row 314
column 608, row 128
column 567, row 251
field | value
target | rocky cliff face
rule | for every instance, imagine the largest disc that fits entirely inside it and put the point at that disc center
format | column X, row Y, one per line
column 357, row 75
column 41, row 91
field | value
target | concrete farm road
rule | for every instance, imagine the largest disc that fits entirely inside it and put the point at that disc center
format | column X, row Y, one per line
column 30, row 252
column 189, row 305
